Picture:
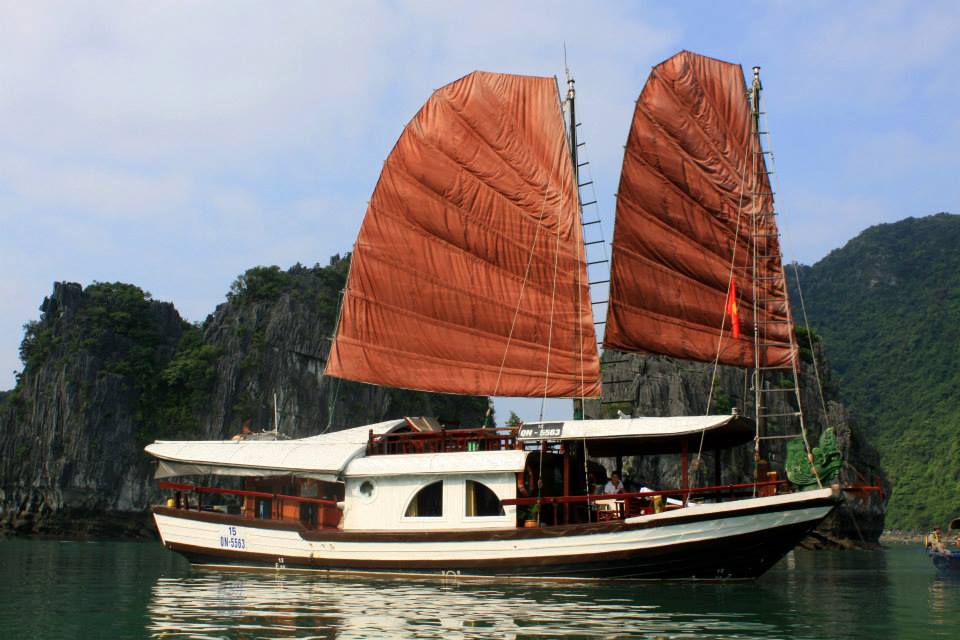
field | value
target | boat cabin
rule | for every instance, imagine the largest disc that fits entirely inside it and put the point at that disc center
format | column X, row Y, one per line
column 414, row 474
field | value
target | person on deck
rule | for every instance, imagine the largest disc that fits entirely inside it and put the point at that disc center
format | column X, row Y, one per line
column 614, row 485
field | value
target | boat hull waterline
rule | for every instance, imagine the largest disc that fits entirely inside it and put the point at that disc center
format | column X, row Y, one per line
column 725, row 541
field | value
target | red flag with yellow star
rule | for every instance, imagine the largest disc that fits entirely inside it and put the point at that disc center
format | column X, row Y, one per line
column 732, row 310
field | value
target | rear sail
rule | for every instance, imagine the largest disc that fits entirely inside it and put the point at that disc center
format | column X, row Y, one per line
column 696, row 262
column 468, row 275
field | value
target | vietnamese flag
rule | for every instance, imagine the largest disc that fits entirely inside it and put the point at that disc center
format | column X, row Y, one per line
column 732, row 310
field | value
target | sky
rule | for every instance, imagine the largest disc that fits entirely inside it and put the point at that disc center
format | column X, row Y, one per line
column 173, row 145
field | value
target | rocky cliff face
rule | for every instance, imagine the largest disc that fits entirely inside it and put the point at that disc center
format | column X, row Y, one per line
column 68, row 431
column 108, row 370
column 647, row 385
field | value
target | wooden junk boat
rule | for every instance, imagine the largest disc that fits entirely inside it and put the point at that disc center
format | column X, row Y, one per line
column 470, row 276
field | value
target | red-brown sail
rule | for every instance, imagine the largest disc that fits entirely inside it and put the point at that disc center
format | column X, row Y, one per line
column 468, row 275
column 694, row 200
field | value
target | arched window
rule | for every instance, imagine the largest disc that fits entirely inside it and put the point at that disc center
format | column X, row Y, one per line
column 481, row 500
column 428, row 503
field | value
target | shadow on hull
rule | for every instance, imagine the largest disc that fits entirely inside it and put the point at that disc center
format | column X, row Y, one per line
column 744, row 557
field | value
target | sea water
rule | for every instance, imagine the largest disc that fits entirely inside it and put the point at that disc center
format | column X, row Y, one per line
column 110, row 589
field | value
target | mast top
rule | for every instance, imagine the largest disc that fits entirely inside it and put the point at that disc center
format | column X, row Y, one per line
column 755, row 89
column 566, row 69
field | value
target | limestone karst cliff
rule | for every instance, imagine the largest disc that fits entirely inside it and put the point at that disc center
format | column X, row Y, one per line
column 107, row 370
column 648, row 385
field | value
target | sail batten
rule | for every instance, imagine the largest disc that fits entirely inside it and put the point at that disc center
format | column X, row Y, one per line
column 469, row 272
column 694, row 221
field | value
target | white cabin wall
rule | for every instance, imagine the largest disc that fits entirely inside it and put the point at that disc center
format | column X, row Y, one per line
column 392, row 494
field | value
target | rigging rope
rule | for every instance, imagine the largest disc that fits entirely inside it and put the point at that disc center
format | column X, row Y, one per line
column 593, row 202
column 526, row 276
column 540, row 481
column 723, row 321
column 795, row 351
column 603, row 245
column 553, row 300
column 755, row 140
column 332, row 406
column 813, row 355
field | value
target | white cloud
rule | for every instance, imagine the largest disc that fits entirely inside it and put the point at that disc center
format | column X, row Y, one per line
column 174, row 145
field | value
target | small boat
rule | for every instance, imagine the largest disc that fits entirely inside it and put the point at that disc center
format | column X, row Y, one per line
column 946, row 560
column 470, row 276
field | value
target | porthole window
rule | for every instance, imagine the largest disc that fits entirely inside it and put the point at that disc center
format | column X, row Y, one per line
column 480, row 500
column 365, row 491
column 428, row 503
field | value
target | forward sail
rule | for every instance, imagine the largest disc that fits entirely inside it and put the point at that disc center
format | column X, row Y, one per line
column 469, row 275
column 695, row 225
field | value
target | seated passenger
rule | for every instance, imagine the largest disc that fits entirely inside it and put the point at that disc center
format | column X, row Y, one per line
column 614, row 485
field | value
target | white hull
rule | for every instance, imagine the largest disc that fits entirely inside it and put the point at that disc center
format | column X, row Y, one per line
column 716, row 541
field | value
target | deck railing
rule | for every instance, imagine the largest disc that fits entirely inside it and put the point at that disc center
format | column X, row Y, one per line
column 627, row 505
column 328, row 514
column 444, row 440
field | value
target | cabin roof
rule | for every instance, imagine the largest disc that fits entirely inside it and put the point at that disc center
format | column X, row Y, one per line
column 322, row 457
column 475, row 462
column 649, row 435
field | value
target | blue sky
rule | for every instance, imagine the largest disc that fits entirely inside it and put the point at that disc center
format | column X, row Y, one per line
column 175, row 144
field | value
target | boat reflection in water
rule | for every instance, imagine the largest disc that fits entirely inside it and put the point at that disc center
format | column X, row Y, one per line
column 295, row 605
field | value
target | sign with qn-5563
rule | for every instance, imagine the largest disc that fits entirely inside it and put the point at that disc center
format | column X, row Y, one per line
column 541, row 431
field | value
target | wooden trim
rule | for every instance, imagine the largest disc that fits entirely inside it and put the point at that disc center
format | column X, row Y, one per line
column 334, row 535
column 740, row 556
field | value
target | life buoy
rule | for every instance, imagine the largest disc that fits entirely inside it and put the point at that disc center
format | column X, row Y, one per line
column 525, row 483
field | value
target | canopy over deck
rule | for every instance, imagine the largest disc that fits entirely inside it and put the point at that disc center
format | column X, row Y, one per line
column 509, row 461
column 322, row 457
column 638, row 436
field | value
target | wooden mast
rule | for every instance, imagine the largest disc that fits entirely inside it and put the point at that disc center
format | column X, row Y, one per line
column 756, row 227
column 571, row 108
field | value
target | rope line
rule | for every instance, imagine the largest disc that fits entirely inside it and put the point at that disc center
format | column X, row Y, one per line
column 526, row 277
column 795, row 352
column 813, row 356
column 723, row 321
column 553, row 300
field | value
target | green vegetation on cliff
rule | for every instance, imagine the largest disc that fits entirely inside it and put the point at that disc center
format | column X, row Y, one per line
column 319, row 288
column 117, row 327
column 888, row 307
column 170, row 367
column 108, row 369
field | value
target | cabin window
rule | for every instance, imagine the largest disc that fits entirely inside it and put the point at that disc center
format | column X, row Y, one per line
column 481, row 500
column 264, row 508
column 308, row 513
column 428, row 503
